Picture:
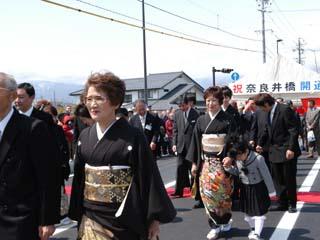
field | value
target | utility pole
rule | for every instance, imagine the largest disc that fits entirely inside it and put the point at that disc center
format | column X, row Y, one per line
column 263, row 4
column 300, row 51
column 278, row 40
column 145, row 91
column 213, row 76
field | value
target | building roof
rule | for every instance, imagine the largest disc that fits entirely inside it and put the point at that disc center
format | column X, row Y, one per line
column 171, row 101
column 155, row 81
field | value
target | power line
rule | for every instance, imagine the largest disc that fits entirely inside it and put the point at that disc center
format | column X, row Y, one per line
column 199, row 23
column 284, row 17
column 301, row 10
column 209, row 11
column 139, row 20
column 282, row 30
column 148, row 29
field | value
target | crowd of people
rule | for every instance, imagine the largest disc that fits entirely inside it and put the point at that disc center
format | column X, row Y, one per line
column 228, row 157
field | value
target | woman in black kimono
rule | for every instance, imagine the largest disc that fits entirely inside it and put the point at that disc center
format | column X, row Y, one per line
column 117, row 191
column 212, row 135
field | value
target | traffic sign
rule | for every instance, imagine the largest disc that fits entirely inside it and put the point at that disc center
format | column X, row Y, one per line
column 235, row 76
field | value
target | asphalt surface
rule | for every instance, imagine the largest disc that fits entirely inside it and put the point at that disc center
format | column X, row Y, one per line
column 191, row 224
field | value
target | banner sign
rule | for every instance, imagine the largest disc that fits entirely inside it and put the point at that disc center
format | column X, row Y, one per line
column 275, row 87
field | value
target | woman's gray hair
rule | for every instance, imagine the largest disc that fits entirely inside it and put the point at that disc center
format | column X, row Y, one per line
column 9, row 81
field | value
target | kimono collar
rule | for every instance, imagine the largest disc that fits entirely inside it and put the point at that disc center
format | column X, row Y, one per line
column 100, row 134
column 213, row 116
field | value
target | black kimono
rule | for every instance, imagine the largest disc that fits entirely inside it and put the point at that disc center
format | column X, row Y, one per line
column 208, row 147
column 147, row 199
column 223, row 123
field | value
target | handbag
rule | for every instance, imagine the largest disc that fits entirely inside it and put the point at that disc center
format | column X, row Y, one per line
column 194, row 190
column 310, row 136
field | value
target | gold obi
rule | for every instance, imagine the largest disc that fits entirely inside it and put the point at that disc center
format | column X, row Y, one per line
column 213, row 143
column 107, row 184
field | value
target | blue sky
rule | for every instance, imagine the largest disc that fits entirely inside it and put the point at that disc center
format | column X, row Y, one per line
column 40, row 41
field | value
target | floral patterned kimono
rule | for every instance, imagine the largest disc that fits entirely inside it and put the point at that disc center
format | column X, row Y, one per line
column 208, row 148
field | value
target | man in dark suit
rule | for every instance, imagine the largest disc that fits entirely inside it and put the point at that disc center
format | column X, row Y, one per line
column 147, row 123
column 282, row 134
column 259, row 123
column 24, row 103
column 27, row 191
column 183, row 124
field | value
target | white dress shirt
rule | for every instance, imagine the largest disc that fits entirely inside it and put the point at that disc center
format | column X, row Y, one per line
column 272, row 111
column 27, row 113
column 143, row 120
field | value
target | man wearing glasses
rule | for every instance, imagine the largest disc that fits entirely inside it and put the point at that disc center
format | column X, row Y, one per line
column 27, row 182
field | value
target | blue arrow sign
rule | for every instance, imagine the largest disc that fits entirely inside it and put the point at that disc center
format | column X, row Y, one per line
column 235, row 76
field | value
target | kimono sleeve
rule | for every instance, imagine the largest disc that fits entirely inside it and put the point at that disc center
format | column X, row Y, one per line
column 154, row 198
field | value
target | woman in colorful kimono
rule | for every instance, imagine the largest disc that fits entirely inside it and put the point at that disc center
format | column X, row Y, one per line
column 208, row 152
column 117, row 191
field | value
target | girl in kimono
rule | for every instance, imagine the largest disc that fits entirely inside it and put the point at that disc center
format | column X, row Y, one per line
column 117, row 191
column 208, row 152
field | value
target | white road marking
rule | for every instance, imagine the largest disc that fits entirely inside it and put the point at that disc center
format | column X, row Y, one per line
column 288, row 220
column 170, row 184
column 62, row 228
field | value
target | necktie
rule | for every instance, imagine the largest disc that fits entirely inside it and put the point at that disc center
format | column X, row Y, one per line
column 185, row 117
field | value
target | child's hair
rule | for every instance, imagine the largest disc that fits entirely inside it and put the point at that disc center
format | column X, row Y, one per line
column 239, row 146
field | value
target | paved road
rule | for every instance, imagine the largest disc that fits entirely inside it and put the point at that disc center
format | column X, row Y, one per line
column 191, row 224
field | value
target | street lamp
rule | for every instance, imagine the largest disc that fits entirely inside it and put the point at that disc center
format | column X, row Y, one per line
column 223, row 70
column 278, row 40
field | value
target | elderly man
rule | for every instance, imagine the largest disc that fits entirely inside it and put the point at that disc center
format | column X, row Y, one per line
column 312, row 122
column 27, row 191
column 147, row 123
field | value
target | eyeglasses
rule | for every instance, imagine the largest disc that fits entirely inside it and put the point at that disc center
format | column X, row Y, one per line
column 96, row 99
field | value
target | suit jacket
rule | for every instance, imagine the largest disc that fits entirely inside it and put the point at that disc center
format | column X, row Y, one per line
column 151, row 129
column 27, row 190
column 246, row 120
column 312, row 119
column 62, row 167
column 282, row 134
column 231, row 111
column 258, row 126
column 182, row 131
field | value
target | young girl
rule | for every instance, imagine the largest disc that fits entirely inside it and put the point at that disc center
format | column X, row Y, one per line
column 256, row 187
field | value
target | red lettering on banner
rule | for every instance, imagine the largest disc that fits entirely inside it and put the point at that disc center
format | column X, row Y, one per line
column 237, row 88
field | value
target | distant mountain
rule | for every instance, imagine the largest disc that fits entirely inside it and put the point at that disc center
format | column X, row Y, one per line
column 59, row 91
column 56, row 91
